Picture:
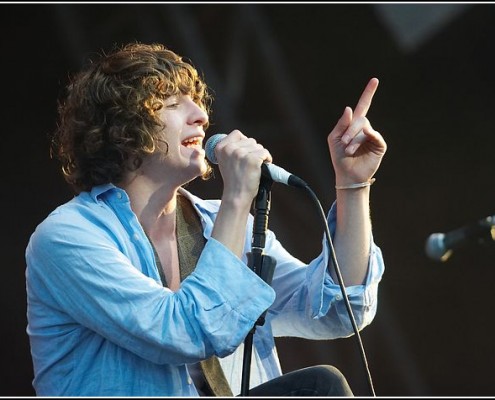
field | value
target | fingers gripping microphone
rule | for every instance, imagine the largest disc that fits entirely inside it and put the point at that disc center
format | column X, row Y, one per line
column 275, row 173
column 439, row 246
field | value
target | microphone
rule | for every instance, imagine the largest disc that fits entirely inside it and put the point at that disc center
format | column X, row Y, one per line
column 269, row 170
column 439, row 246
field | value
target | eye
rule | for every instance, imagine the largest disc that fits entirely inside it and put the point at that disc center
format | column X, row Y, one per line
column 172, row 102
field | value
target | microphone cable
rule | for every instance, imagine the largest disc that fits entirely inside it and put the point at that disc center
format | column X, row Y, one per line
column 342, row 287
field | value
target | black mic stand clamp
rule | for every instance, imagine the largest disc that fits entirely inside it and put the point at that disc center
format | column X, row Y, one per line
column 262, row 264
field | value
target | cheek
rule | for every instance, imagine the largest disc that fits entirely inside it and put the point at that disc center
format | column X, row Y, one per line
column 171, row 135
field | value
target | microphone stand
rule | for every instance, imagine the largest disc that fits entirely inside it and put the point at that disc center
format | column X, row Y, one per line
column 262, row 264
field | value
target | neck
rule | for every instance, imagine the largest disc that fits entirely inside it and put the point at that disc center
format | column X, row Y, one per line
column 154, row 205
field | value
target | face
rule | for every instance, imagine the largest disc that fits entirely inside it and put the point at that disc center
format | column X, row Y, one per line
column 184, row 122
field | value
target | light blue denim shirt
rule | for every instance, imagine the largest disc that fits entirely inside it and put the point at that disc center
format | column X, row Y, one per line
column 100, row 322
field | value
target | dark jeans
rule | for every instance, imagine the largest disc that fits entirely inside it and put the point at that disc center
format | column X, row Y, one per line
column 321, row 380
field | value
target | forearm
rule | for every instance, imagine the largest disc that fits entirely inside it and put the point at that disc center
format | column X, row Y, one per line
column 230, row 224
column 352, row 234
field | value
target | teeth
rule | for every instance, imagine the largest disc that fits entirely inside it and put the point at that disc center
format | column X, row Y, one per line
column 191, row 142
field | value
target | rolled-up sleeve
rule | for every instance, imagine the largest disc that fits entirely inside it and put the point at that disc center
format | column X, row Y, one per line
column 310, row 304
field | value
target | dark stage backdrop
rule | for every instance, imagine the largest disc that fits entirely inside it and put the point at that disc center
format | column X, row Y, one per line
column 283, row 73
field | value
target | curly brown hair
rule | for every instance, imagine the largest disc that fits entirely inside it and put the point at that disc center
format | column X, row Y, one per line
column 108, row 119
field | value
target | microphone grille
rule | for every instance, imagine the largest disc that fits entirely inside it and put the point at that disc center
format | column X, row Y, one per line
column 435, row 247
column 210, row 147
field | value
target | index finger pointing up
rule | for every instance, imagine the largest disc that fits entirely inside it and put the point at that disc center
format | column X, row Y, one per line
column 364, row 102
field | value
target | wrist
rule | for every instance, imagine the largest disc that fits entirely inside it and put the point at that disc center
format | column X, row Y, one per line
column 355, row 185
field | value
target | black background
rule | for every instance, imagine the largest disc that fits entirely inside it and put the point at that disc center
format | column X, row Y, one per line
column 298, row 66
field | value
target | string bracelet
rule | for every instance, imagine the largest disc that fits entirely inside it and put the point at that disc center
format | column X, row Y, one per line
column 357, row 185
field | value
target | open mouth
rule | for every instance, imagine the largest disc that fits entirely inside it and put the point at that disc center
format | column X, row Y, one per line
column 193, row 142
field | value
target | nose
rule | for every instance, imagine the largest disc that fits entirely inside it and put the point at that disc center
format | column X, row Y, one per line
column 198, row 115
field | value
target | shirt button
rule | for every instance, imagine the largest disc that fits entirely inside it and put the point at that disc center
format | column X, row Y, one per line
column 119, row 195
column 338, row 297
column 189, row 380
column 136, row 236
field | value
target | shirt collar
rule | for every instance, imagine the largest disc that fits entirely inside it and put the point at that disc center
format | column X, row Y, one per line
column 198, row 202
column 99, row 190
